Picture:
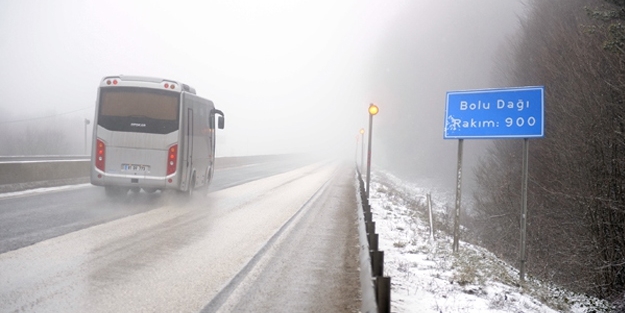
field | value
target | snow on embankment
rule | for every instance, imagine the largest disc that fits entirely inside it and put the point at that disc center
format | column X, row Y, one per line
column 428, row 277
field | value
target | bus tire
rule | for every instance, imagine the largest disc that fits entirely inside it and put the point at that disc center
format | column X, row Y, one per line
column 149, row 190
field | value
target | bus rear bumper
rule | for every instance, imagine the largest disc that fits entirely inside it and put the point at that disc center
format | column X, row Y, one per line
column 132, row 181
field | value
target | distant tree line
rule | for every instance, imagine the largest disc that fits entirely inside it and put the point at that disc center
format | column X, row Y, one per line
column 576, row 202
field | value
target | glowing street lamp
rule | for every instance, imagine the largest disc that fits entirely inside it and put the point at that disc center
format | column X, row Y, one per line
column 373, row 110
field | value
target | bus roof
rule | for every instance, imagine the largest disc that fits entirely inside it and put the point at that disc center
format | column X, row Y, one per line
column 143, row 81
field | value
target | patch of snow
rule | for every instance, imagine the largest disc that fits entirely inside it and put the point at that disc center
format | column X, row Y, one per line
column 426, row 276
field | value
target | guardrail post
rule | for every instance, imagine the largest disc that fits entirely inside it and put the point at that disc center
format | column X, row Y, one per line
column 373, row 242
column 370, row 227
column 377, row 258
column 381, row 284
column 383, row 293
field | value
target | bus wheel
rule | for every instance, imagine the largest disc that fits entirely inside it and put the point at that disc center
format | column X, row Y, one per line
column 150, row 190
column 135, row 189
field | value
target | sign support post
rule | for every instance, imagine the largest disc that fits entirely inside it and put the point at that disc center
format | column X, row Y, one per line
column 524, row 207
column 496, row 114
column 458, row 195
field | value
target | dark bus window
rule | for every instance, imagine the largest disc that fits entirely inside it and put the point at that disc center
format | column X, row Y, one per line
column 139, row 110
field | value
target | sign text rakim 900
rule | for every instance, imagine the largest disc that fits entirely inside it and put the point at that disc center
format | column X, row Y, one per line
column 495, row 113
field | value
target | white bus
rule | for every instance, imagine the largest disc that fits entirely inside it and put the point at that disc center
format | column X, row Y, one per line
column 152, row 134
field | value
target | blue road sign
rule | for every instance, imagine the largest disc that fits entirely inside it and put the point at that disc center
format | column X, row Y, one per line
column 495, row 113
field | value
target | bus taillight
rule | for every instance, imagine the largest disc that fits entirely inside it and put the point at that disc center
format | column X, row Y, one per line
column 172, row 159
column 100, row 154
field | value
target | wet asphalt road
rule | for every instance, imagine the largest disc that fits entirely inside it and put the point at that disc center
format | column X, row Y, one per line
column 30, row 218
column 280, row 234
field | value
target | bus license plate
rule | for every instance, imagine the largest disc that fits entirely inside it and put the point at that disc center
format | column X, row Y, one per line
column 136, row 168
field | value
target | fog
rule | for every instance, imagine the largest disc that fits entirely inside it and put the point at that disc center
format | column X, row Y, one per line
column 430, row 48
column 290, row 76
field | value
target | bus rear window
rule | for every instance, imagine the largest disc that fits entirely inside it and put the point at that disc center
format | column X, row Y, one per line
column 139, row 110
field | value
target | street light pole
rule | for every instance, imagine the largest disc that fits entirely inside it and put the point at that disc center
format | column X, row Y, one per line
column 362, row 149
column 373, row 110
column 86, row 123
column 356, row 155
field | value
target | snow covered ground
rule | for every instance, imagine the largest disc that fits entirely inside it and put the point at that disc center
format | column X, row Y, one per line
column 427, row 277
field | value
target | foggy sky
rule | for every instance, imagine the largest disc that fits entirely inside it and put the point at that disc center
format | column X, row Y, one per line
column 290, row 76
column 431, row 48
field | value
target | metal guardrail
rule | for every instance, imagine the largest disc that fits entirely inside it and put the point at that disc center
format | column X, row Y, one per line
column 43, row 158
column 27, row 172
column 372, row 263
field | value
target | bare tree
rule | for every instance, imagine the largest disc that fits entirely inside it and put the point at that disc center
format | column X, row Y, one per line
column 576, row 222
